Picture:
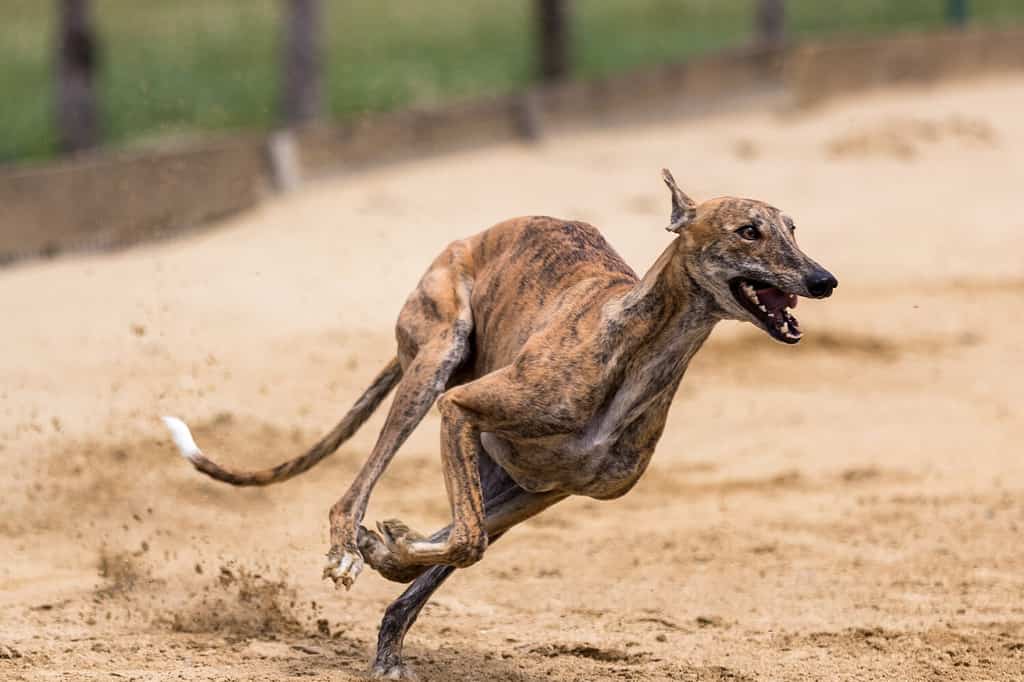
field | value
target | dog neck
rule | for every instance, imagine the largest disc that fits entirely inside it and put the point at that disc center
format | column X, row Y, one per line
column 665, row 317
column 651, row 334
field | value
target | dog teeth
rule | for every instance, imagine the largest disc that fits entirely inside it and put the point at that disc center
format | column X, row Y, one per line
column 778, row 320
column 749, row 292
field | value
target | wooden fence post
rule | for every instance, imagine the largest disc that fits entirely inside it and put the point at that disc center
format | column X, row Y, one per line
column 77, row 57
column 553, row 24
column 303, row 62
column 770, row 22
column 957, row 11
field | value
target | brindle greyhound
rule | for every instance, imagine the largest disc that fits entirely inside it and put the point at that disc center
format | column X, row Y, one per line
column 553, row 366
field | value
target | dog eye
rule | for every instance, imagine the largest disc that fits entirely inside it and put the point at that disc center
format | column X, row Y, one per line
column 749, row 232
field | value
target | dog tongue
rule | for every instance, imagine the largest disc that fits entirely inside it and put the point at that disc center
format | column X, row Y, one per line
column 772, row 298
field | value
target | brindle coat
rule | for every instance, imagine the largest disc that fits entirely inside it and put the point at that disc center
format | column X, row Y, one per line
column 553, row 366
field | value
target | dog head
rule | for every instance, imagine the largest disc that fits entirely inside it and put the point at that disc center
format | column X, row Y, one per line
column 744, row 253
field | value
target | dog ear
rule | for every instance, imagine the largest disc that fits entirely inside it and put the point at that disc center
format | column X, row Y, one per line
column 684, row 210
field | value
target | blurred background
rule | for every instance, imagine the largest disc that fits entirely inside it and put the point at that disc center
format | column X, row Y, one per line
column 216, row 208
column 82, row 73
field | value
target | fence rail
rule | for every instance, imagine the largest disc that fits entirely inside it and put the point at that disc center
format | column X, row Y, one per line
column 556, row 37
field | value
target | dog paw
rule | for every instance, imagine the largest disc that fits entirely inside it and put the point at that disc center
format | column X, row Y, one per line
column 397, row 536
column 343, row 566
column 380, row 558
column 393, row 671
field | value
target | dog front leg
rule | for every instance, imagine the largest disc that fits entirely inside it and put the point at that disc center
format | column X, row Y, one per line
column 466, row 539
column 402, row 554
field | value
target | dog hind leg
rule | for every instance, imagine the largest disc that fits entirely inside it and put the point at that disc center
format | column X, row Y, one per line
column 434, row 329
column 503, row 500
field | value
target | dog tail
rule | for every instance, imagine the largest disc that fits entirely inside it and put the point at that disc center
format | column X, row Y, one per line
column 345, row 429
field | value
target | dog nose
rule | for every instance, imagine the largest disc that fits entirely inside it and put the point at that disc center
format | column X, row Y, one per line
column 821, row 283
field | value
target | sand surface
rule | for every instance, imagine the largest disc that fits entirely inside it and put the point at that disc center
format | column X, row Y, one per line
column 850, row 508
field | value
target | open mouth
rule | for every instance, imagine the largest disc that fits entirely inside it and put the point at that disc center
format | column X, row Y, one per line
column 770, row 305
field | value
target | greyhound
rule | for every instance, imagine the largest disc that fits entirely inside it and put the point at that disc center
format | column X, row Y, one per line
column 553, row 366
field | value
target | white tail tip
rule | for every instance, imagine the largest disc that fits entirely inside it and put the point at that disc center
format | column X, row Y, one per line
column 182, row 437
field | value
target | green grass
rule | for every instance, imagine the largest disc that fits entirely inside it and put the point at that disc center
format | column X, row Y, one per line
column 185, row 66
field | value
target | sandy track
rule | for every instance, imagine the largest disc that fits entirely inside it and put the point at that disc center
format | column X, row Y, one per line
column 847, row 509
